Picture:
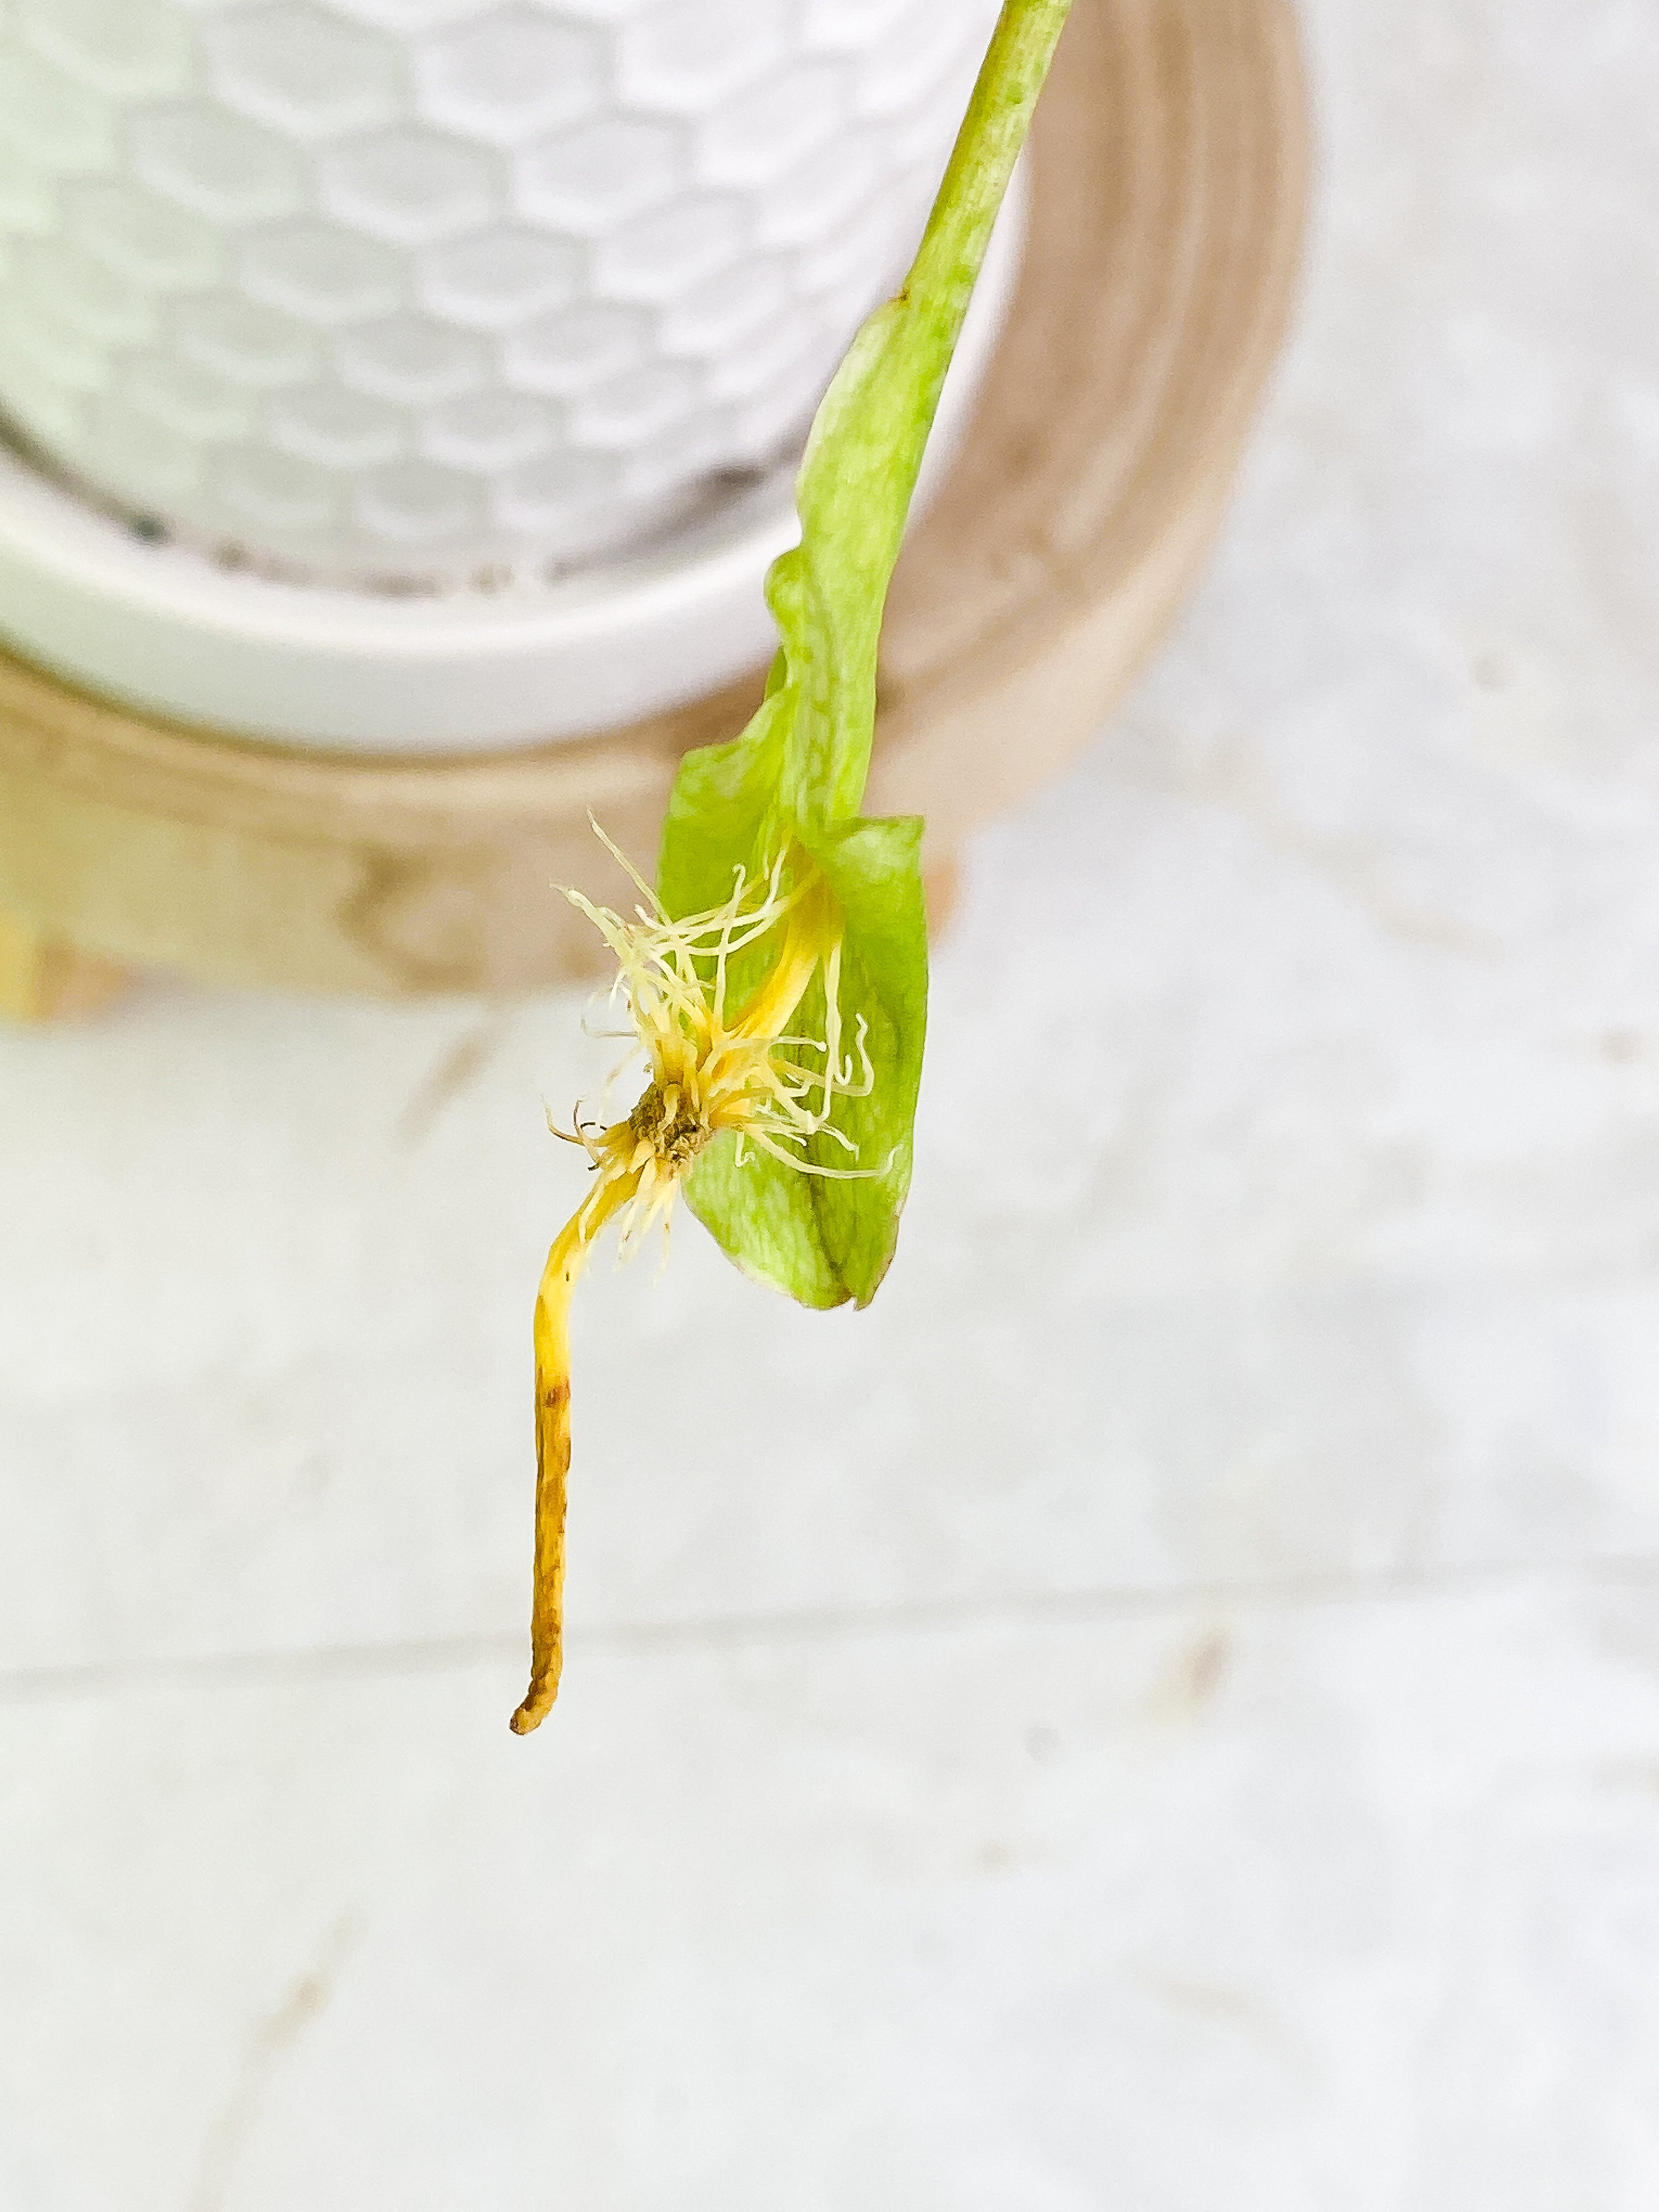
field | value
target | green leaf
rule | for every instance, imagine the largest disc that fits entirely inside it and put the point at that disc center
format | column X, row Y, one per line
column 826, row 1238
column 874, row 868
column 762, row 1214
column 722, row 807
column 798, row 773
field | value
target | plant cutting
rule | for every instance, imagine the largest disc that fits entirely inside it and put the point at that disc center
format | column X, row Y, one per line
column 775, row 974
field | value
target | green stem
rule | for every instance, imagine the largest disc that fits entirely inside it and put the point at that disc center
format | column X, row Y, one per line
column 864, row 452
column 993, row 130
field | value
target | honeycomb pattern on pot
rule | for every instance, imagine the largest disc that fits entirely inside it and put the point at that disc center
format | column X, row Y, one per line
column 386, row 292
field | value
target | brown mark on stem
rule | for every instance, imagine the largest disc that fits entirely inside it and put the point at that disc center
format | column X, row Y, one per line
column 547, row 1601
column 552, row 1331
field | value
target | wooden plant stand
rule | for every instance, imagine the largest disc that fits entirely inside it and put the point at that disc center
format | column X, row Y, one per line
column 1169, row 164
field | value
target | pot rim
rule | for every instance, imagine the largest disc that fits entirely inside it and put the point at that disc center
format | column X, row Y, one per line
column 161, row 628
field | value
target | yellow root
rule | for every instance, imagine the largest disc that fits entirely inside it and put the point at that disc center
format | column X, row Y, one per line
column 552, row 1333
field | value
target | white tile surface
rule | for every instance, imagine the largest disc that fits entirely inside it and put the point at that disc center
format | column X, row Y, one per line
column 1161, row 1713
column 1356, row 1901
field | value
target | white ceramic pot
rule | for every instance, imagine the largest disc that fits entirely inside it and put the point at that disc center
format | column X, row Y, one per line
column 402, row 363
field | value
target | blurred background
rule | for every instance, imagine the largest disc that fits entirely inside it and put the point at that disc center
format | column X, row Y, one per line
column 1162, row 1711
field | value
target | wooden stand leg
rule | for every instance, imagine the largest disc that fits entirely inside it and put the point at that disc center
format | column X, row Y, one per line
column 43, row 980
column 941, row 877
